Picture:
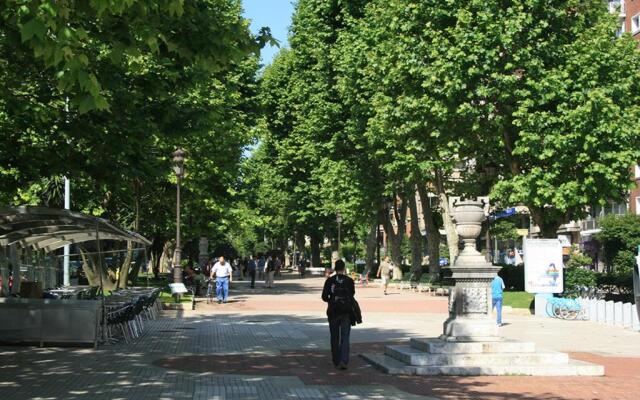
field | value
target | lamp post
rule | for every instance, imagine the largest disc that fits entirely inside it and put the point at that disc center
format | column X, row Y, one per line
column 178, row 169
column 339, row 221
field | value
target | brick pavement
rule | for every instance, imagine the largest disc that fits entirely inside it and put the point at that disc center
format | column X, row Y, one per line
column 276, row 348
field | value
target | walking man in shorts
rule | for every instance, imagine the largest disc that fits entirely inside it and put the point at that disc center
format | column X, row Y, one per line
column 384, row 272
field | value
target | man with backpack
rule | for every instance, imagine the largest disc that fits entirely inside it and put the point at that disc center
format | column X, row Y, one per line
column 338, row 292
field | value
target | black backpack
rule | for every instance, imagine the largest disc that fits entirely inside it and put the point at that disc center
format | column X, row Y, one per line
column 341, row 298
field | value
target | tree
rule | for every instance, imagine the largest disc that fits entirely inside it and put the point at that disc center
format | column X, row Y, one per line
column 544, row 90
column 305, row 123
column 620, row 238
column 173, row 32
column 119, row 158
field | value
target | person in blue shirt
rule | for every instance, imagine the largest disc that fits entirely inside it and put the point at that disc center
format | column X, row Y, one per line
column 497, row 286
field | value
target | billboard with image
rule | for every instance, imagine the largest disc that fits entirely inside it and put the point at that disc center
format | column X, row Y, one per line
column 543, row 266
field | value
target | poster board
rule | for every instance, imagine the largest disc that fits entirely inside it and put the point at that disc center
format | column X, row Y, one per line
column 543, row 268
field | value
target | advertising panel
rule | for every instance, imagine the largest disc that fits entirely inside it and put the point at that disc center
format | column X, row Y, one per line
column 543, row 266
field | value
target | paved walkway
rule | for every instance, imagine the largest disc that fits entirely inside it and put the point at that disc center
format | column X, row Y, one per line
column 273, row 344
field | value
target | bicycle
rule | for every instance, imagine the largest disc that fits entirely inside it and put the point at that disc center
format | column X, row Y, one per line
column 565, row 308
column 210, row 290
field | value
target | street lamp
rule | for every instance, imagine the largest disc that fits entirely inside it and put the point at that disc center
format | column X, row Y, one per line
column 339, row 221
column 178, row 169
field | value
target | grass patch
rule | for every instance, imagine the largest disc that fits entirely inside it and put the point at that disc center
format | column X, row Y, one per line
column 148, row 278
column 166, row 297
column 518, row 299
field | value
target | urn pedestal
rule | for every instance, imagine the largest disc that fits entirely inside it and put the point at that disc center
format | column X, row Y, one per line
column 470, row 343
column 470, row 298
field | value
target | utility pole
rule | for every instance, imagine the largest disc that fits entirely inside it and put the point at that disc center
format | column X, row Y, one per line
column 67, row 206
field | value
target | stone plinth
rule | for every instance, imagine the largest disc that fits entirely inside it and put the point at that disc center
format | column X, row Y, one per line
column 438, row 357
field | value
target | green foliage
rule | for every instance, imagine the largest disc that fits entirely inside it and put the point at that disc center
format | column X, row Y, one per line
column 504, row 230
column 108, row 90
column 444, row 251
column 578, row 260
column 63, row 38
column 617, row 284
column 577, row 279
column 620, row 237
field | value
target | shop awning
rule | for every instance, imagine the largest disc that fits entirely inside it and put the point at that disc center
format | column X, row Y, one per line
column 49, row 229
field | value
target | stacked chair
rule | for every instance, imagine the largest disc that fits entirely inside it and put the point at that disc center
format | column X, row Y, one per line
column 127, row 310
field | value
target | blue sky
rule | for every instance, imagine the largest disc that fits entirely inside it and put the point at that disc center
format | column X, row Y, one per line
column 276, row 14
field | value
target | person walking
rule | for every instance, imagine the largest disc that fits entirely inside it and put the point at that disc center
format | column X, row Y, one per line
column 384, row 272
column 251, row 270
column 261, row 265
column 223, row 272
column 338, row 293
column 277, row 264
column 497, row 287
column 269, row 271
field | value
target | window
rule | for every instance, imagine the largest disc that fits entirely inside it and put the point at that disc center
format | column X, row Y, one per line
column 637, row 175
column 638, row 205
column 635, row 24
column 620, row 29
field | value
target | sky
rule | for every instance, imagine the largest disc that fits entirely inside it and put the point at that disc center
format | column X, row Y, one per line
column 276, row 14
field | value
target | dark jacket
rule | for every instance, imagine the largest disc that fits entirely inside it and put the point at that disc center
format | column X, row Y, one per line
column 327, row 292
column 356, row 314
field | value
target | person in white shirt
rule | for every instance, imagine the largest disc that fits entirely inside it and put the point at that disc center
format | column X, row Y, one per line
column 223, row 272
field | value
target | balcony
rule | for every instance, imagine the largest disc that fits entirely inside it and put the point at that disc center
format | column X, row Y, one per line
column 591, row 222
column 589, row 225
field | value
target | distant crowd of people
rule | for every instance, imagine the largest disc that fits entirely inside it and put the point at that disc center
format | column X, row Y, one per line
column 221, row 272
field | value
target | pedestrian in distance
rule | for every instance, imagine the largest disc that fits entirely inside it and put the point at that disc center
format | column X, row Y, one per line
column 497, row 287
column 261, row 264
column 223, row 273
column 384, row 272
column 251, row 270
column 269, row 271
column 277, row 263
column 338, row 292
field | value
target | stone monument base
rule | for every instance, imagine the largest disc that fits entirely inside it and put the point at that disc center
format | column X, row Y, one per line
column 443, row 356
column 470, row 330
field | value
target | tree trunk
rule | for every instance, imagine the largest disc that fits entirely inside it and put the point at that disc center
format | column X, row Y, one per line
column 372, row 241
column 548, row 226
column 394, row 240
column 166, row 256
column 135, row 268
column 447, row 220
column 315, row 250
column 123, row 275
column 416, row 239
column 93, row 271
column 156, row 250
column 433, row 234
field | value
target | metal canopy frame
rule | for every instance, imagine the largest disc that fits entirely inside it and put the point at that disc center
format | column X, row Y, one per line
column 49, row 229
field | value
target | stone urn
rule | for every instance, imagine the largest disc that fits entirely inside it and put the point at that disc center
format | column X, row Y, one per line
column 470, row 298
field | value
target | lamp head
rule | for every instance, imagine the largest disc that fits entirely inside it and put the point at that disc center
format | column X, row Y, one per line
column 178, row 162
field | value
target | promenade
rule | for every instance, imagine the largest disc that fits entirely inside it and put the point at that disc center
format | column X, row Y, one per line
column 273, row 344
